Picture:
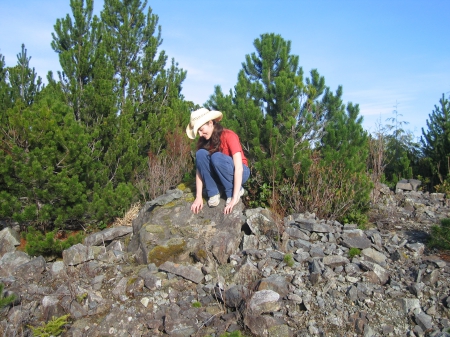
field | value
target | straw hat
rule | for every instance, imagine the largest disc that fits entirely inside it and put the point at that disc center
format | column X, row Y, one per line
column 200, row 117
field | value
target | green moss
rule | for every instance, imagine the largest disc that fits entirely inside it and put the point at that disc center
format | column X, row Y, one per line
column 154, row 228
column 181, row 187
column 82, row 297
column 161, row 254
column 131, row 280
column 170, row 204
column 196, row 304
column 189, row 197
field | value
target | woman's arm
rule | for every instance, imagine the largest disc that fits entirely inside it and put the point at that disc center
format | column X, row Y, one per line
column 197, row 205
column 237, row 182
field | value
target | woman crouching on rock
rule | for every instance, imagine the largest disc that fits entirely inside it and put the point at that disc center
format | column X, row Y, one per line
column 220, row 161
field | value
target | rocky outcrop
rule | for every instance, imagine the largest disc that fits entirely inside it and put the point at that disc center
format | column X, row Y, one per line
column 176, row 273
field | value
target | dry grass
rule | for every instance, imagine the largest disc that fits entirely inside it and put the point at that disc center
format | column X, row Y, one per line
column 129, row 216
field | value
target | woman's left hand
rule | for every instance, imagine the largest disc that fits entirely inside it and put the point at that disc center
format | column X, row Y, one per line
column 229, row 208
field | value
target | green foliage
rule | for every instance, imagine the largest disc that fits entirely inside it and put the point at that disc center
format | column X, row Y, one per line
column 47, row 245
column 440, row 235
column 288, row 260
column 196, row 304
column 436, row 141
column 5, row 301
column 356, row 217
column 353, row 252
column 54, row 327
column 281, row 117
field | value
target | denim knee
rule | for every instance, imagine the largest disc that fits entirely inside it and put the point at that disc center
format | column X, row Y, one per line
column 201, row 154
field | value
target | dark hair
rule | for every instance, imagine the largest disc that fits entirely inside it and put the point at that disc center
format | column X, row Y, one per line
column 213, row 143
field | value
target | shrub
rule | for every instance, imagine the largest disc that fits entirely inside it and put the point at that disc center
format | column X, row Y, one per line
column 5, row 301
column 288, row 260
column 440, row 235
column 355, row 216
column 353, row 252
column 328, row 189
column 54, row 327
column 165, row 169
column 48, row 245
column 196, row 304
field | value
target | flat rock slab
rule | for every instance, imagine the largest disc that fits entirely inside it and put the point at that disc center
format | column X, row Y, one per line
column 313, row 226
column 187, row 272
column 106, row 235
column 356, row 241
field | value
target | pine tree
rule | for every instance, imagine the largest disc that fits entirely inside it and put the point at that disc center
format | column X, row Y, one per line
column 401, row 150
column 41, row 164
column 23, row 80
column 77, row 42
column 436, row 140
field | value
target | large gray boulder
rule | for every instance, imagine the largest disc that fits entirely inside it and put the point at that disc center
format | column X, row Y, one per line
column 169, row 231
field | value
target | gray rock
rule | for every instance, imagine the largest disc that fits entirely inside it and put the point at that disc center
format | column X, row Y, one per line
column 236, row 295
column 313, row 226
column 316, row 251
column 416, row 247
column 403, row 186
column 9, row 239
column 107, row 235
column 263, row 325
column 264, row 301
column 189, row 273
column 295, row 233
column 179, row 326
column 165, row 198
column 77, row 254
column 424, row 321
column 372, row 255
column 335, row 261
column 376, row 273
column 360, row 242
column 31, row 270
column 431, row 278
column 11, row 260
column 409, row 304
column 277, row 283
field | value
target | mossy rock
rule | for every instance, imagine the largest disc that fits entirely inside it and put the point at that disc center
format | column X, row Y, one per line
column 200, row 255
column 161, row 254
column 155, row 229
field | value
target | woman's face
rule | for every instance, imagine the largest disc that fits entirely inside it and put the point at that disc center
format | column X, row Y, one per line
column 206, row 130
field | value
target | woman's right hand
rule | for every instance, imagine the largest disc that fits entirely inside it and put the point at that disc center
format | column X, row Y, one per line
column 197, row 205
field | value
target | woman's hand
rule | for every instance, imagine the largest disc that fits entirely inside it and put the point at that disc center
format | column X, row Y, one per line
column 229, row 208
column 197, row 205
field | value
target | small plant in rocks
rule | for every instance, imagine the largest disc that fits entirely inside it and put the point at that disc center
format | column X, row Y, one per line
column 288, row 260
column 196, row 304
column 54, row 327
column 5, row 301
column 353, row 252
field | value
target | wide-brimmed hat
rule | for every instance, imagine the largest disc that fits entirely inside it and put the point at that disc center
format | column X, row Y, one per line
column 200, row 117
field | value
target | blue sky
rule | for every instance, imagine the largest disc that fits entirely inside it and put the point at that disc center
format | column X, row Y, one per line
column 383, row 53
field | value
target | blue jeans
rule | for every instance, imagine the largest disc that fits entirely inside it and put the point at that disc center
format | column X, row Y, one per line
column 217, row 170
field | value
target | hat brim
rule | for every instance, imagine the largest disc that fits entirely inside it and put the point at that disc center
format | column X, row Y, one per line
column 191, row 130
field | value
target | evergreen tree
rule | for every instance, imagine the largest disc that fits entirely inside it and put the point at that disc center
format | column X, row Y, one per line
column 23, row 81
column 77, row 42
column 345, row 147
column 436, row 140
column 401, row 150
column 41, row 163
